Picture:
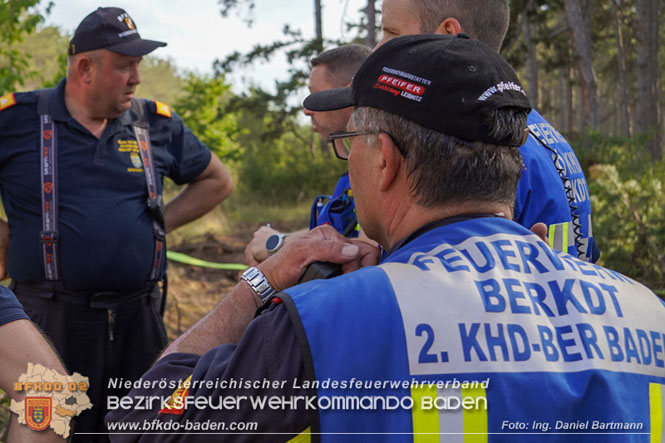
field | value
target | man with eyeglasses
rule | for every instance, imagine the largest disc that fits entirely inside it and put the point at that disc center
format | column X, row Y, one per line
column 331, row 69
column 467, row 308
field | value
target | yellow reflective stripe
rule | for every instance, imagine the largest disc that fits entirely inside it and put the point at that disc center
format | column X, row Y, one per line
column 551, row 234
column 475, row 420
column 425, row 422
column 656, row 412
column 558, row 236
column 304, row 437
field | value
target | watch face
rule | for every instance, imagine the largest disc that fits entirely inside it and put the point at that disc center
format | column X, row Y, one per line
column 272, row 242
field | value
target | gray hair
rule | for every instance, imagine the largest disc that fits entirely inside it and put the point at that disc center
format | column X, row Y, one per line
column 94, row 56
column 484, row 20
column 444, row 169
column 342, row 62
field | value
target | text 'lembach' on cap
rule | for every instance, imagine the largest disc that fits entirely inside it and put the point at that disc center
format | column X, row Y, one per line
column 112, row 29
column 450, row 84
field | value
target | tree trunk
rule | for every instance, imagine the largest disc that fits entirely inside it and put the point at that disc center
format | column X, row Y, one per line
column 647, row 75
column 371, row 23
column 623, row 88
column 531, row 54
column 570, row 109
column 318, row 25
column 561, row 102
column 582, row 116
column 583, row 54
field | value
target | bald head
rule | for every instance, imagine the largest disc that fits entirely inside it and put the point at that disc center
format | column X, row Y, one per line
column 484, row 20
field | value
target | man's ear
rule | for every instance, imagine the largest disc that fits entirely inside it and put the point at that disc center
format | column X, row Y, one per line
column 449, row 26
column 391, row 162
column 84, row 69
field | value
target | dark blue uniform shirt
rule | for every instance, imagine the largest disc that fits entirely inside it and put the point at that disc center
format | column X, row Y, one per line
column 268, row 351
column 106, row 232
column 10, row 308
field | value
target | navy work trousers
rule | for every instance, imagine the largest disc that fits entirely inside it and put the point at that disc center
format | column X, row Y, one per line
column 102, row 337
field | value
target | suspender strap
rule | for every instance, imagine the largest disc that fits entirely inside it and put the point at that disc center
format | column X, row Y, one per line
column 155, row 202
column 49, row 181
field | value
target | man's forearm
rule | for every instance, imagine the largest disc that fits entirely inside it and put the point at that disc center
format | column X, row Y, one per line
column 224, row 324
column 227, row 322
column 21, row 343
column 197, row 198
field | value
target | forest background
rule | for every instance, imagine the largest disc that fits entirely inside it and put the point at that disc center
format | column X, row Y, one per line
column 591, row 67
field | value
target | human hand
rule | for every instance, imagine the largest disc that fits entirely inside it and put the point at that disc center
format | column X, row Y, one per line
column 255, row 251
column 540, row 229
column 324, row 244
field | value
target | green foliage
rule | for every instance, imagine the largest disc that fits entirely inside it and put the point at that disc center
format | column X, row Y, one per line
column 17, row 18
column 287, row 171
column 203, row 109
column 47, row 48
column 280, row 165
column 160, row 80
column 628, row 206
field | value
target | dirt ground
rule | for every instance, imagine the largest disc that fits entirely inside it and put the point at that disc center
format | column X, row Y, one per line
column 194, row 290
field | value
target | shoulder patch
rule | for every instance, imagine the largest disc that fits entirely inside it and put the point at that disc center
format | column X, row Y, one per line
column 176, row 403
column 7, row 101
column 162, row 109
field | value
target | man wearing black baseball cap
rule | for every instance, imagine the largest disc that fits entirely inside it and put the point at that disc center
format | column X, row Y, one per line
column 470, row 324
column 86, row 217
column 112, row 29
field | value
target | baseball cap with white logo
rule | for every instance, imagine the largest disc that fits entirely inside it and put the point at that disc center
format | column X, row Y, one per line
column 112, row 29
column 447, row 83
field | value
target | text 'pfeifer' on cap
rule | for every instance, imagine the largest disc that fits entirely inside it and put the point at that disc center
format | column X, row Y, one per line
column 450, row 84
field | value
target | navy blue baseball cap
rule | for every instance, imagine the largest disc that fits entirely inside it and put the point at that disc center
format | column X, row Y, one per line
column 112, row 29
column 447, row 83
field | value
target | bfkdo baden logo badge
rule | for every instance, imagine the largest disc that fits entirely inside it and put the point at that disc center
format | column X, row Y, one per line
column 51, row 399
column 38, row 412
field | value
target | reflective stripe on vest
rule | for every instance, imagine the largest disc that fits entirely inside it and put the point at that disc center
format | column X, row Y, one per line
column 304, row 437
column 440, row 424
column 656, row 399
column 561, row 236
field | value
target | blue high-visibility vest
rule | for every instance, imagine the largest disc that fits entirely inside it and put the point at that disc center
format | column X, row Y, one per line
column 479, row 327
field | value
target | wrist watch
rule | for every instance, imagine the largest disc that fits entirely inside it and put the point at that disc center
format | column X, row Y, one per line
column 259, row 283
column 275, row 242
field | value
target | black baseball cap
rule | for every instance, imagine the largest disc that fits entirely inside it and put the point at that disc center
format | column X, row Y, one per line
column 447, row 83
column 112, row 29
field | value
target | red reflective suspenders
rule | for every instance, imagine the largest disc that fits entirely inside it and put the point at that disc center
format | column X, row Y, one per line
column 155, row 203
column 49, row 188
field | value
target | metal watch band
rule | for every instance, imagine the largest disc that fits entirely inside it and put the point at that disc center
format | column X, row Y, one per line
column 259, row 283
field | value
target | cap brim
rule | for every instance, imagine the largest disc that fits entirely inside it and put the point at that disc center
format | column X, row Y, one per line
column 330, row 100
column 136, row 48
